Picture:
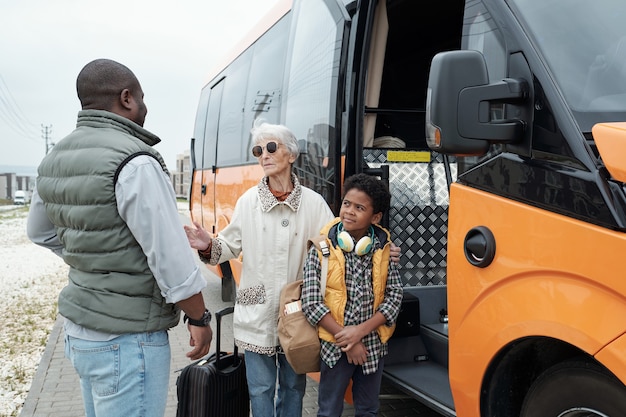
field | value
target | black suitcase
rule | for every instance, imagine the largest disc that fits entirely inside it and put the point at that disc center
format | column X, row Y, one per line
column 215, row 386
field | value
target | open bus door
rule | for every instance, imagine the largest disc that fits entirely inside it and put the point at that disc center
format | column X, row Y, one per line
column 203, row 204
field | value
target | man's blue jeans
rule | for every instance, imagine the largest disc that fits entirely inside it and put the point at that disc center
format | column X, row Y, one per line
column 127, row 376
column 261, row 373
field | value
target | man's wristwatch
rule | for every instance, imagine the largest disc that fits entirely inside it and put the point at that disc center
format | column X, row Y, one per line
column 204, row 321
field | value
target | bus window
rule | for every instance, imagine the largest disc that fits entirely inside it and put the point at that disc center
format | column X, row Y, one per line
column 311, row 96
column 229, row 145
column 483, row 36
column 310, row 82
column 266, row 76
column 200, row 126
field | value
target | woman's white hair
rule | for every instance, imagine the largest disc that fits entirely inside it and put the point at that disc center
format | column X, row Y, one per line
column 263, row 131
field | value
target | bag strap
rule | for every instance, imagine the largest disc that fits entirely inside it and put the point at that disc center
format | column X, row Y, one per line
column 321, row 244
column 325, row 255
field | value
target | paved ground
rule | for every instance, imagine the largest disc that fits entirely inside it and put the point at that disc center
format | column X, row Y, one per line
column 55, row 391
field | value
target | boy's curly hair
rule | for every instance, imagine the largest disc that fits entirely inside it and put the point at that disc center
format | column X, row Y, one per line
column 372, row 186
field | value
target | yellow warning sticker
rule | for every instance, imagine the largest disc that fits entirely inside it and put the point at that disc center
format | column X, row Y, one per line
column 408, row 156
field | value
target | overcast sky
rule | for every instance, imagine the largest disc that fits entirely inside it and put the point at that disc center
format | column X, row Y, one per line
column 170, row 46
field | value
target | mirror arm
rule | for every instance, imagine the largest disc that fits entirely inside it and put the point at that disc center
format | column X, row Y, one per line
column 480, row 125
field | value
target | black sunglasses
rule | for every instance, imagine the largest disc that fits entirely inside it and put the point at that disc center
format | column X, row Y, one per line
column 271, row 147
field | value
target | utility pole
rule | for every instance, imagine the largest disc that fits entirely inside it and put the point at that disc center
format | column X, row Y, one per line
column 46, row 132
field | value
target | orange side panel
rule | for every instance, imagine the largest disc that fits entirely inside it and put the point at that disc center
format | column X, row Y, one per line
column 552, row 276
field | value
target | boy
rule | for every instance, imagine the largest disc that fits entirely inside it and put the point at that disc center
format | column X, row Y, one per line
column 362, row 300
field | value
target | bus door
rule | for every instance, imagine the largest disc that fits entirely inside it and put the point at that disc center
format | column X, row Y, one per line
column 203, row 159
column 204, row 204
column 209, row 168
column 389, row 128
column 391, row 65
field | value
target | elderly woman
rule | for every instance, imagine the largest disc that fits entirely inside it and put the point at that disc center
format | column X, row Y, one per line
column 271, row 224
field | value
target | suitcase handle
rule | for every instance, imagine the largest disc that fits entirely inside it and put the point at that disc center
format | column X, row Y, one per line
column 218, row 348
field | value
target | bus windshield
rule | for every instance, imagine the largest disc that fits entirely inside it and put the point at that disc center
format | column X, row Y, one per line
column 584, row 45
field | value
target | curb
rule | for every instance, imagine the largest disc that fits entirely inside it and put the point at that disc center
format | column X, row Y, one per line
column 42, row 369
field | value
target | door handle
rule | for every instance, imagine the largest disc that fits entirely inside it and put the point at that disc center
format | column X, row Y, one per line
column 480, row 246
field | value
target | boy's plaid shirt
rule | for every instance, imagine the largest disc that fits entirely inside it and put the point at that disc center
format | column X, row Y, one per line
column 360, row 304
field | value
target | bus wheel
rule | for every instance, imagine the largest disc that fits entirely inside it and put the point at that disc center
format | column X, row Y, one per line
column 575, row 389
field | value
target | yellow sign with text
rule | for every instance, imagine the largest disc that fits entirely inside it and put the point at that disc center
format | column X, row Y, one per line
column 408, row 156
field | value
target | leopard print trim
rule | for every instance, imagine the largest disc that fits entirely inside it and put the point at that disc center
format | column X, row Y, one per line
column 214, row 257
column 251, row 295
column 216, row 252
column 261, row 350
column 268, row 201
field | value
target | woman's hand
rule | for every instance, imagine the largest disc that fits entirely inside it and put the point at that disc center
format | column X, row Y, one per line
column 395, row 252
column 198, row 237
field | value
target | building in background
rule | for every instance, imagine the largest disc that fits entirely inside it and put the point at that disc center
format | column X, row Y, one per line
column 11, row 182
column 181, row 176
column 26, row 178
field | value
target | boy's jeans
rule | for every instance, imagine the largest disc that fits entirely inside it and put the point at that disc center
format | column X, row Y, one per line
column 127, row 376
column 333, row 384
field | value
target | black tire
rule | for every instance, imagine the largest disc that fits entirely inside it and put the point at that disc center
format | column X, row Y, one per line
column 575, row 389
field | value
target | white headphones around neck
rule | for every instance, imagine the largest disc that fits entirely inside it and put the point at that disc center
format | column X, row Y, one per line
column 346, row 243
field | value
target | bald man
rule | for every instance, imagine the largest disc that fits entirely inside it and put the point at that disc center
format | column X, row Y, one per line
column 104, row 202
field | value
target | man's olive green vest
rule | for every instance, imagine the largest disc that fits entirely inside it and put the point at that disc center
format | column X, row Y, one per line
column 111, row 287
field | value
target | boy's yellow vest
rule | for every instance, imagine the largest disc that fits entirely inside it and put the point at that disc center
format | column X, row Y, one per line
column 336, row 295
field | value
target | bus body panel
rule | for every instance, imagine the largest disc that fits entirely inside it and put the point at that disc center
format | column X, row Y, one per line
column 536, row 287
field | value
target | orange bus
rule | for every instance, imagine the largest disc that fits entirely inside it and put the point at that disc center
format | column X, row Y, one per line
column 497, row 126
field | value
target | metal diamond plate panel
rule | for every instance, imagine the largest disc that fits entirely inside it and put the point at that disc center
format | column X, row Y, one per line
column 418, row 218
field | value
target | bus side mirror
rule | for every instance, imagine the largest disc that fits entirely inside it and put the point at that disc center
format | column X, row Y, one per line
column 610, row 138
column 464, row 113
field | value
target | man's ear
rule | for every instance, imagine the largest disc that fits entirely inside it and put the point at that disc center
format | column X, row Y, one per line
column 126, row 99
column 376, row 218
